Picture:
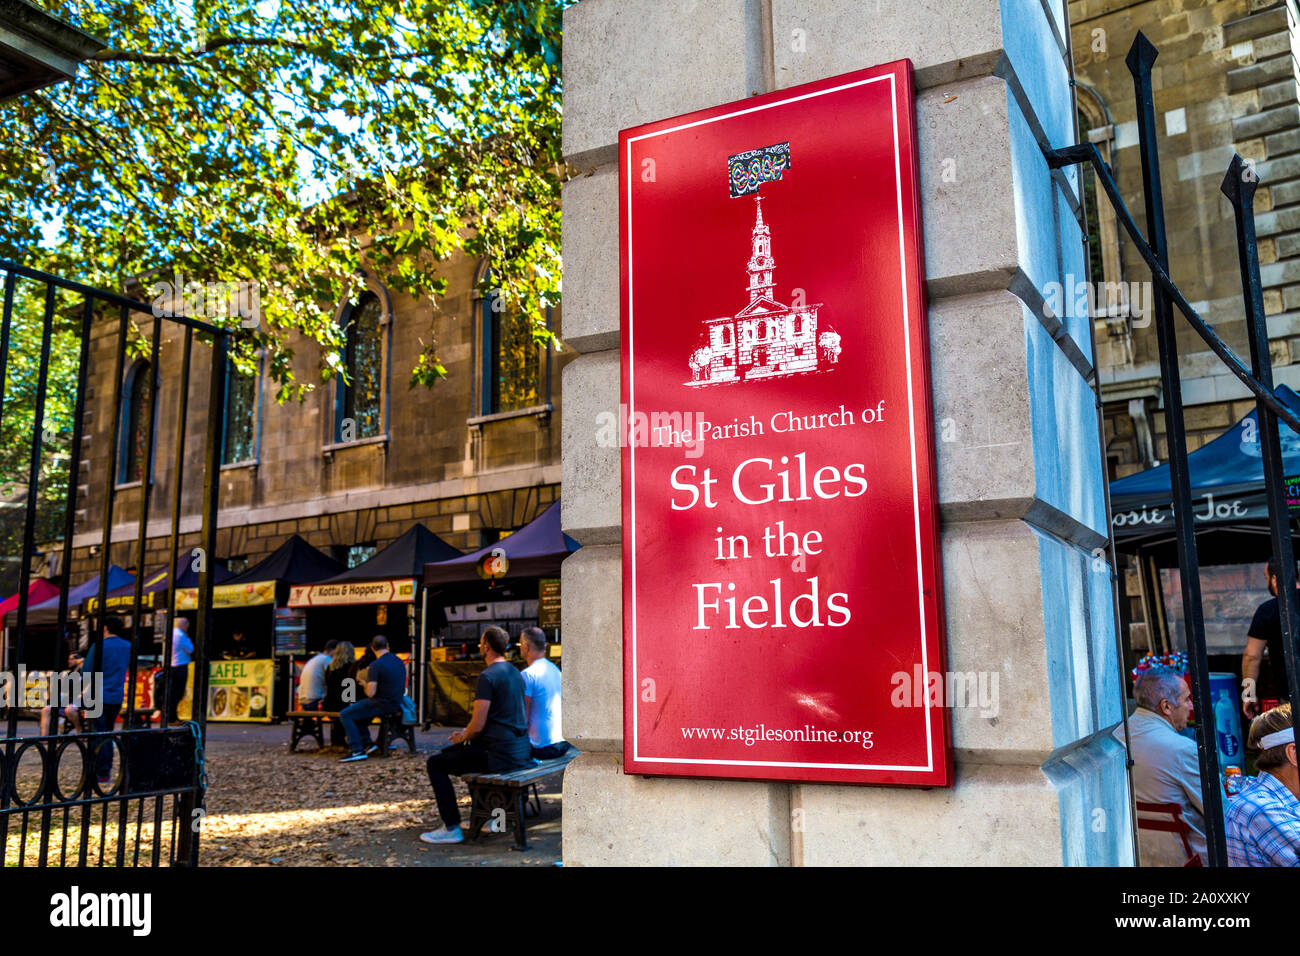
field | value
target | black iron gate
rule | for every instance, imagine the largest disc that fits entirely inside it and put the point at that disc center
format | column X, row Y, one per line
column 1239, row 185
column 58, row 805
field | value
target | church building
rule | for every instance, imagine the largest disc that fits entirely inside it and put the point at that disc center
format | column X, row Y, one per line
column 765, row 339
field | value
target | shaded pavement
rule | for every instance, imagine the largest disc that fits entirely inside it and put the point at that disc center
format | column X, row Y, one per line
column 268, row 807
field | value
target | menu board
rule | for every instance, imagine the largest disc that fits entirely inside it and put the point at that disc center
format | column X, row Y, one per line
column 290, row 631
column 548, row 602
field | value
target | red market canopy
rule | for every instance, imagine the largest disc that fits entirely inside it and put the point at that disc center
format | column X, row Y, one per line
column 47, row 612
column 38, row 591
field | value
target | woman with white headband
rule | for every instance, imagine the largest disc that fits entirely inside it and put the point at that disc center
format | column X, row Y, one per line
column 1264, row 819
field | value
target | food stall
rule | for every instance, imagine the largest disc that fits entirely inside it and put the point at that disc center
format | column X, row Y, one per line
column 379, row 596
column 151, row 630
column 44, row 651
column 1232, row 539
column 513, row 583
column 255, row 681
column 37, row 591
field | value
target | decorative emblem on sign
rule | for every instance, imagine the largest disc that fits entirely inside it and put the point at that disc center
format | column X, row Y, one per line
column 748, row 170
column 765, row 339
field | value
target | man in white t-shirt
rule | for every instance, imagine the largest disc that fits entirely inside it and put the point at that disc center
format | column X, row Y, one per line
column 178, row 674
column 541, row 696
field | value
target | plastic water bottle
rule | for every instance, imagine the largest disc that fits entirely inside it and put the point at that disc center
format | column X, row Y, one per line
column 1224, row 713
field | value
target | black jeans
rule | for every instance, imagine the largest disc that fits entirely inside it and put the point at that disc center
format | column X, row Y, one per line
column 468, row 757
column 179, row 677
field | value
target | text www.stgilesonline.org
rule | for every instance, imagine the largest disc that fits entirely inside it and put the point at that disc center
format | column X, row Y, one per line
column 808, row 733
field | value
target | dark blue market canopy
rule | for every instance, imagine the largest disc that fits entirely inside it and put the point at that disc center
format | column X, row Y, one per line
column 46, row 613
column 535, row 550
column 1227, row 480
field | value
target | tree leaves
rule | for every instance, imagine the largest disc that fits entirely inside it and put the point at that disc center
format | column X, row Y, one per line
column 260, row 141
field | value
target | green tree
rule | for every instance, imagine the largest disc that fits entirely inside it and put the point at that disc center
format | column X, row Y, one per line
column 20, row 423
column 287, row 144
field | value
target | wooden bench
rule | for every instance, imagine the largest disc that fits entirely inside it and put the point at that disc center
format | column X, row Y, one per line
column 490, row 793
column 310, row 723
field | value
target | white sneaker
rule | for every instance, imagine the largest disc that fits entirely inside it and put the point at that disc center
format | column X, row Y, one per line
column 445, row 835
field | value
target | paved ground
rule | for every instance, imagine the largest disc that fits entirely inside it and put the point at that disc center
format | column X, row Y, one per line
column 268, row 807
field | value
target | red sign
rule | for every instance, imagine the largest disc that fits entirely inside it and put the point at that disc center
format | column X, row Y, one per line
column 781, row 582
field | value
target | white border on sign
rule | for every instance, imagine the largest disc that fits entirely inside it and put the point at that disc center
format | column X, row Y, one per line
column 911, row 418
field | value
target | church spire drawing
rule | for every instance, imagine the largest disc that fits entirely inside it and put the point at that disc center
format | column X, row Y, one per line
column 766, row 338
column 761, row 263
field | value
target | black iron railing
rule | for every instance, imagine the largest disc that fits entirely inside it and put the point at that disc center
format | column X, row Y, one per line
column 181, row 792
column 57, row 812
column 1239, row 185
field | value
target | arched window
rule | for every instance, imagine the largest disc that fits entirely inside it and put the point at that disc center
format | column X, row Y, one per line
column 511, row 360
column 242, row 393
column 137, row 394
column 359, row 409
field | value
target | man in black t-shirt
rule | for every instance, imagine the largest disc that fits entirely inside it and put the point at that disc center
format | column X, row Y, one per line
column 496, row 739
column 1265, row 633
column 385, row 688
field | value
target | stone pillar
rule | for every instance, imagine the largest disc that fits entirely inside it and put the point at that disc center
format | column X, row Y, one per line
column 1041, row 782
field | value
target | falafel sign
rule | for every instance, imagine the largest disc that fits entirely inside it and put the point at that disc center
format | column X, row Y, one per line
column 781, row 581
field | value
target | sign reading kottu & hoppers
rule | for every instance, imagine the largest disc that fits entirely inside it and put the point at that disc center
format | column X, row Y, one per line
column 781, row 580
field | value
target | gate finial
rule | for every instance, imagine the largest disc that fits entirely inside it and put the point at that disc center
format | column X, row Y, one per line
column 1240, row 182
column 1141, row 55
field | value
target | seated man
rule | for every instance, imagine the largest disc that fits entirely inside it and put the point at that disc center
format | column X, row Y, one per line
column 1165, row 765
column 311, row 683
column 1264, row 819
column 496, row 739
column 541, row 696
column 70, row 709
column 385, row 688
column 49, row 721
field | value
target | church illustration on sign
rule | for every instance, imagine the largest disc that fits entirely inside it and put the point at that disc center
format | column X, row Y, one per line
column 765, row 339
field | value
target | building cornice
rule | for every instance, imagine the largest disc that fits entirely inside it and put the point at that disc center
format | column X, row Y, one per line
column 37, row 49
column 503, row 480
